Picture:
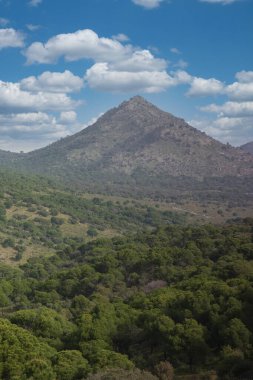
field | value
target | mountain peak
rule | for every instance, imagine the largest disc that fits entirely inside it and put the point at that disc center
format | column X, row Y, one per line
column 136, row 102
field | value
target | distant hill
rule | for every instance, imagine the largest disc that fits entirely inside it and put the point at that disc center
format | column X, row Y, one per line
column 139, row 149
column 248, row 147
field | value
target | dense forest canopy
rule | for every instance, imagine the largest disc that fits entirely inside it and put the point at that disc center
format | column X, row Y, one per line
column 176, row 297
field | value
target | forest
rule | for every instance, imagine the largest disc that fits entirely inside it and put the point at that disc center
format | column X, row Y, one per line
column 162, row 299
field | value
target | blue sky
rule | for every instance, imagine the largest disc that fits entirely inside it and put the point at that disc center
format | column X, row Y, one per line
column 64, row 63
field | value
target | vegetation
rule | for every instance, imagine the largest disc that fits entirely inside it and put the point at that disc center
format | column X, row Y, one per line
column 118, row 285
column 176, row 299
column 38, row 217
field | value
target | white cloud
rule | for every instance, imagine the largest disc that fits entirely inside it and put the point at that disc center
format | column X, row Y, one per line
column 11, row 38
column 234, row 121
column 175, row 50
column 106, row 77
column 181, row 64
column 82, row 44
column 231, row 109
column 223, row 2
column 24, row 118
column 34, row 3
column 148, row 4
column 33, row 27
column 240, row 91
column 28, row 125
column 52, row 82
column 121, row 37
column 243, row 89
column 181, row 77
column 141, row 60
column 244, row 76
column 14, row 99
column 29, row 131
column 102, row 77
column 68, row 117
column 131, row 66
column 205, row 87
column 236, row 131
column 4, row 21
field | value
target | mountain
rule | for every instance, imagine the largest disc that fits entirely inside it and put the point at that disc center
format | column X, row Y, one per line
column 139, row 149
column 8, row 157
column 248, row 147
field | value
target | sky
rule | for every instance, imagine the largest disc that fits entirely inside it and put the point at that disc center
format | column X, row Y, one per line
column 64, row 63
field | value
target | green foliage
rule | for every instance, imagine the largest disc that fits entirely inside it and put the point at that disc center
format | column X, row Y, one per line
column 44, row 323
column 22, row 355
column 70, row 365
column 176, row 294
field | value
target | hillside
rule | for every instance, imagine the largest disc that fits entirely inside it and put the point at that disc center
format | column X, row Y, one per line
column 248, row 147
column 139, row 150
column 139, row 136
column 39, row 217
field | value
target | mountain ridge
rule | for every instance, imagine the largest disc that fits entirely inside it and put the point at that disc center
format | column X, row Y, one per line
column 248, row 147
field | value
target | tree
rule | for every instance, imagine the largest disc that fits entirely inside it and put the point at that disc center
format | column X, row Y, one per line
column 70, row 365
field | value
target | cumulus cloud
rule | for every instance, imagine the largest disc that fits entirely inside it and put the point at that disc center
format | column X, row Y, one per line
column 244, row 76
column 24, row 118
column 121, row 37
column 231, row 109
column 236, row 130
column 53, row 82
column 234, row 121
column 28, row 110
column 141, row 60
column 82, row 44
column 117, row 67
column 33, row 130
column 14, row 99
column 29, row 125
column 205, row 87
column 11, row 38
column 102, row 77
column 105, row 77
column 243, row 89
column 240, row 91
column 148, row 4
column 68, row 117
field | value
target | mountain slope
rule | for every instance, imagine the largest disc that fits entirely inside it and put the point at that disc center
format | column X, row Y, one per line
column 137, row 135
column 139, row 149
column 248, row 147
